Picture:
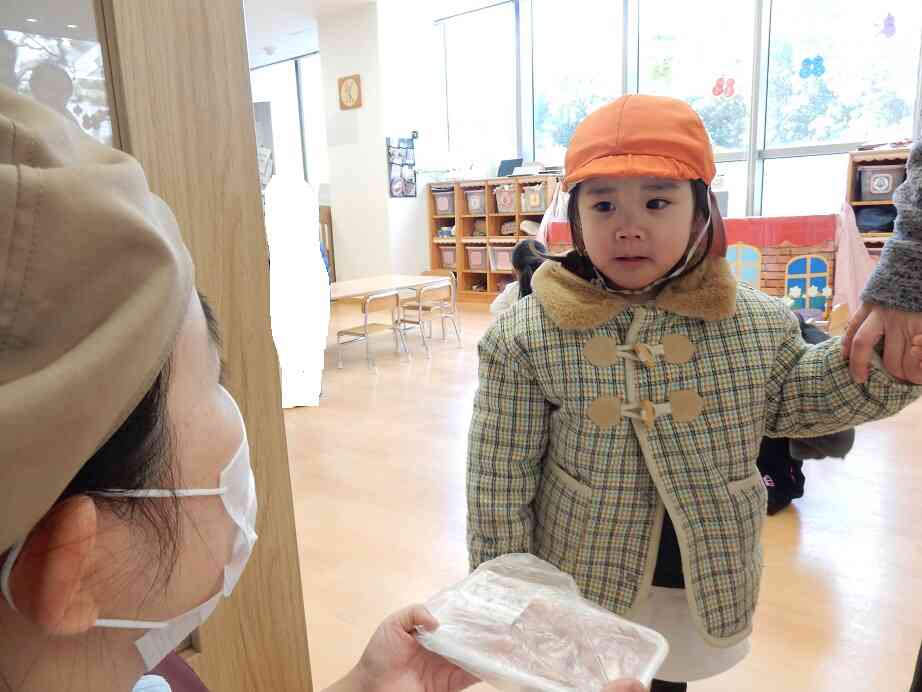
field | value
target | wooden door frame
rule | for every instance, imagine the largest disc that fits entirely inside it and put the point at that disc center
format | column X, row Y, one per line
column 186, row 61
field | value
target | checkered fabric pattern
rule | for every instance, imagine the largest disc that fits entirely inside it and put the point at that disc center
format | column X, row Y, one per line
column 543, row 478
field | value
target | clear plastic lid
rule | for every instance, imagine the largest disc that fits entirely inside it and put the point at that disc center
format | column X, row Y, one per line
column 520, row 624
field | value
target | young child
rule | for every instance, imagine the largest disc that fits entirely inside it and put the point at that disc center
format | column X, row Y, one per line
column 527, row 256
column 621, row 408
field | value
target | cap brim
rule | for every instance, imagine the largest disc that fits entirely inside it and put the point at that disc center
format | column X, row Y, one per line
column 632, row 165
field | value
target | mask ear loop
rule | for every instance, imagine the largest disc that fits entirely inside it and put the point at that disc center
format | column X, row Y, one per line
column 7, row 571
column 131, row 624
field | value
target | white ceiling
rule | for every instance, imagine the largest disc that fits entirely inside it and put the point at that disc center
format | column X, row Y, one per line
column 52, row 18
column 282, row 29
column 288, row 28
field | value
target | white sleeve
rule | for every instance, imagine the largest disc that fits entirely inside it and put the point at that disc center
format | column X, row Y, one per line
column 506, row 299
column 152, row 683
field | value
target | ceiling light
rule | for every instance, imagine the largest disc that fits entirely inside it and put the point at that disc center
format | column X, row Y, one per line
column 72, row 26
column 32, row 20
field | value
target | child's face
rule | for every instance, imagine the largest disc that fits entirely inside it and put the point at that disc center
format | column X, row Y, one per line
column 636, row 229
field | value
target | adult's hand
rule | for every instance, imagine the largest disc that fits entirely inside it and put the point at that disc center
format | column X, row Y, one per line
column 902, row 335
column 394, row 661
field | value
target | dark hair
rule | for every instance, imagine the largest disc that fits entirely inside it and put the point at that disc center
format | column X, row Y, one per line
column 526, row 258
column 140, row 455
column 53, row 74
column 582, row 266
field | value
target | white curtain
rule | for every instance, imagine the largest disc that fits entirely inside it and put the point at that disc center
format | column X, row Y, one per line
column 854, row 265
column 299, row 288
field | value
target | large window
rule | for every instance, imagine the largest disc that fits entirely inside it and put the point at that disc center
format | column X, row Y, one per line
column 314, row 120
column 278, row 120
column 842, row 71
column 786, row 88
column 581, row 73
column 481, row 84
column 701, row 52
column 804, row 185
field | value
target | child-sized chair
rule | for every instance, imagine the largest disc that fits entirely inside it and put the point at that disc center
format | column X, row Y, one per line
column 440, row 299
column 378, row 302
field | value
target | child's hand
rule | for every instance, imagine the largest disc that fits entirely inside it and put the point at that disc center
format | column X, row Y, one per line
column 902, row 335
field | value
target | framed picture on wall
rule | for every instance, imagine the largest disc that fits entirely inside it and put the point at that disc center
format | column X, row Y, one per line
column 401, row 162
column 350, row 92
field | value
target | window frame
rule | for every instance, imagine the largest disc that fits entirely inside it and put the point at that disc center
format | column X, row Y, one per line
column 299, row 94
column 522, row 49
column 756, row 153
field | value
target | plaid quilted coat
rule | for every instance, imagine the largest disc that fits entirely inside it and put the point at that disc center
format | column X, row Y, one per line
column 594, row 416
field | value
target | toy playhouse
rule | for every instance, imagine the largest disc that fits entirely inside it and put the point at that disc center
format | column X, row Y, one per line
column 790, row 257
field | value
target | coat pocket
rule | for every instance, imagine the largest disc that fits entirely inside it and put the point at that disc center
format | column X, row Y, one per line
column 741, row 486
column 750, row 501
column 561, row 518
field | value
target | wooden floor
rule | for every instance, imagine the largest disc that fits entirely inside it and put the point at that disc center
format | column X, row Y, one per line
column 378, row 473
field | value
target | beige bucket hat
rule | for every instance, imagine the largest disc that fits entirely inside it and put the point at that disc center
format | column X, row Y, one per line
column 94, row 285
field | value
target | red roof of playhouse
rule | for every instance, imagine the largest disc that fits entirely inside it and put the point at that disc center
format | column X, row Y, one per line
column 773, row 231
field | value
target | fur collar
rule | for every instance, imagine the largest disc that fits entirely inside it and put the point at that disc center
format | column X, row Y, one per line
column 708, row 293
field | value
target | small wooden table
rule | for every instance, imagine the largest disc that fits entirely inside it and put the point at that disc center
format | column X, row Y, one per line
column 358, row 288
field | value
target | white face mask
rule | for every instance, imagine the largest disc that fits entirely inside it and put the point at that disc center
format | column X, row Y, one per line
column 238, row 493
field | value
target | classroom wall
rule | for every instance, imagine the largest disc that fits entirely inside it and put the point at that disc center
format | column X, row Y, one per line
column 355, row 138
column 397, row 49
column 411, row 54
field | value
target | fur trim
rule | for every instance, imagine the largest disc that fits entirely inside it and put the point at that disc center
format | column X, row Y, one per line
column 708, row 293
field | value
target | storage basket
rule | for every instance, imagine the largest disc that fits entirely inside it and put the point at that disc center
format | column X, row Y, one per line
column 534, row 198
column 880, row 182
column 444, row 201
column 501, row 258
column 475, row 203
column 505, row 199
column 477, row 258
column 449, row 257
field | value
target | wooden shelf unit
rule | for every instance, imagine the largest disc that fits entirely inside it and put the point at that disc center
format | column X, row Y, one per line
column 464, row 229
column 856, row 160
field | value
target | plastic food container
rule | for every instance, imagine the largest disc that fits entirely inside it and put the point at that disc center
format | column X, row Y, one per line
column 520, row 624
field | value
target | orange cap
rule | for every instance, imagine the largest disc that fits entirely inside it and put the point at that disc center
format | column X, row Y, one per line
column 639, row 135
